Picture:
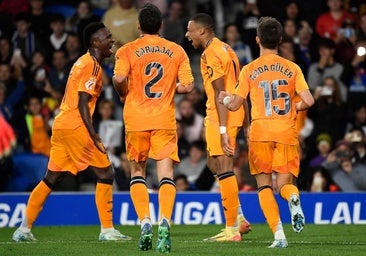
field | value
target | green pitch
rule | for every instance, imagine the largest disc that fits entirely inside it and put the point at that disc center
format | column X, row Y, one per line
column 187, row 240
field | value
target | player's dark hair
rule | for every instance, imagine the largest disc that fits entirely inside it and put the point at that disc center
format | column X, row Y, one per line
column 205, row 20
column 269, row 31
column 89, row 32
column 150, row 19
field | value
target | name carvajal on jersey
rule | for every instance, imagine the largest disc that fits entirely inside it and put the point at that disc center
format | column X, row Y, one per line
column 274, row 67
column 154, row 49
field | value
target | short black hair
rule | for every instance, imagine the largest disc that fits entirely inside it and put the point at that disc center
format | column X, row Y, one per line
column 22, row 16
column 326, row 43
column 205, row 20
column 89, row 32
column 58, row 17
column 270, row 32
column 150, row 19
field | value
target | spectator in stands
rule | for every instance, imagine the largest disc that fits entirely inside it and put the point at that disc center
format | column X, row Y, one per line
column 183, row 144
column 329, row 24
column 361, row 31
column 123, row 171
column 121, row 20
column 356, row 74
column 59, row 70
column 82, row 17
column 57, row 39
column 39, row 19
column 181, row 183
column 348, row 176
column 292, row 11
column 329, row 113
column 345, row 47
column 198, row 97
column 290, row 30
column 358, row 118
column 161, row 4
column 247, row 22
column 14, row 89
column 23, row 38
column 8, row 101
column 287, row 50
column 304, row 47
column 192, row 121
column 72, row 48
column 326, row 66
column 194, row 164
column 6, row 50
column 357, row 138
column 32, row 129
column 39, row 71
column 321, row 181
column 173, row 24
column 324, row 146
column 232, row 38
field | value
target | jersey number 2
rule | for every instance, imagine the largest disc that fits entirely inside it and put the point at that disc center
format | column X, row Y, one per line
column 159, row 74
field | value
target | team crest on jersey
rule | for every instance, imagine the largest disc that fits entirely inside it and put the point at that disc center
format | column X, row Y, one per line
column 209, row 71
column 90, row 83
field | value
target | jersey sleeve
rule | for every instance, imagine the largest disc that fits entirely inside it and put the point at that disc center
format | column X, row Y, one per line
column 214, row 66
column 242, row 86
column 300, row 82
column 122, row 66
column 185, row 75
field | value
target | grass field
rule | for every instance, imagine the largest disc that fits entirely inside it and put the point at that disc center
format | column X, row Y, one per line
column 187, row 240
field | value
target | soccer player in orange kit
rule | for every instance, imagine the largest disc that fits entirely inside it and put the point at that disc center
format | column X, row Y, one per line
column 75, row 146
column 277, row 90
column 220, row 70
column 145, row 76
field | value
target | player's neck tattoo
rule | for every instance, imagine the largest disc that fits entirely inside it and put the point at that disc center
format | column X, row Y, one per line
column 208, row 43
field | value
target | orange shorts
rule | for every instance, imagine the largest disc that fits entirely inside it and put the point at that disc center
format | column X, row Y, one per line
column 74, row 151
column 265, row 157
column 155, row 144
column 213, row 139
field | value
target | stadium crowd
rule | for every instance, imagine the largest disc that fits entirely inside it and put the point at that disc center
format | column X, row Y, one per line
column 41, row 39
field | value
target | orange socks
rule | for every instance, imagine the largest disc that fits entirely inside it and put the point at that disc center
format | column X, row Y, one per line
column 140, row 197
column 269, row 207
column 35, row 203
column 229, row 197
column 104, row 203
column 167, row 192
column 287, row 190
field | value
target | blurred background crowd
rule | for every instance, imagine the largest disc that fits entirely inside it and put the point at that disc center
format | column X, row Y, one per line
column 41, row 39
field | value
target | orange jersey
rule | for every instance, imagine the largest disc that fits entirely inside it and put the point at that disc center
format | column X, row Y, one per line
column 273, row 84
column 153, row 66
column 219, row 60
column 85, row 76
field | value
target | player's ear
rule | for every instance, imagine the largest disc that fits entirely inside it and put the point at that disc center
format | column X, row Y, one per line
column 257, row 40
